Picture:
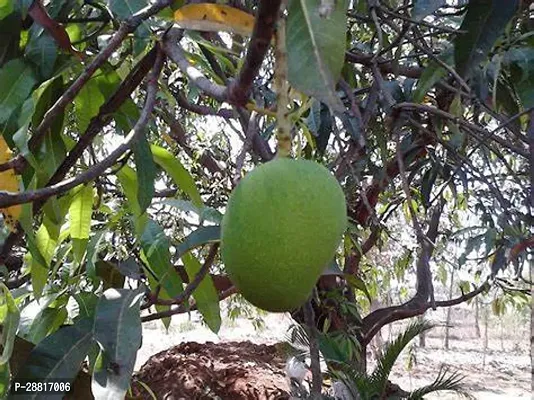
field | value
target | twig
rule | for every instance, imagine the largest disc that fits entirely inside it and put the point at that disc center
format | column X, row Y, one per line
column 418, row 304
column 126, row 27
column 252, row 131
column 266, row 17
column 315, row 366
column 123, row 92
column 177, row 132
column 473, row 128
column 190, row 288
column 185, row 308
column 175, row 52
column 8, row 199
column 225, row 113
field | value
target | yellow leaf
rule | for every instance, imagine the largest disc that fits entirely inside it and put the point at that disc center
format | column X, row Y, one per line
column 9, row 182
column 214, row 18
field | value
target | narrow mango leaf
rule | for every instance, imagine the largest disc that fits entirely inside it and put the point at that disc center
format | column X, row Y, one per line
column 42, row 51
column 87, row 302
column 205, row 295
column 203, row 235
column 9, row 182
column 58, row 356
column 17, row 81
column 129, row 182
column 483, row 25
column 118, row 331
column 146, row 172
column 125, row 8
column 153, row 283
column 46, row 245
column 87, row 103
column 214, row 18
column 155, row 248
column 48, row 322
column 38, row 273
column 92, row 254
column 80, row 212
column 204, row 214
column 521, row 59
column 10, row 324
column 431, row 75
column 183, row 179
column 316, row 48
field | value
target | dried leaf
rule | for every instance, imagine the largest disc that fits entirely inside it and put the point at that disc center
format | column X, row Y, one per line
column 214, row 18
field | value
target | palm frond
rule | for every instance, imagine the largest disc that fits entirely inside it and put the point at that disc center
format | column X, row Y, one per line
column 446, row 380
column 298, row 339
column 385, row 363
column 358, row 384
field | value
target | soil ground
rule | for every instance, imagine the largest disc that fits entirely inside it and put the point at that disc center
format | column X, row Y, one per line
column 242, row 363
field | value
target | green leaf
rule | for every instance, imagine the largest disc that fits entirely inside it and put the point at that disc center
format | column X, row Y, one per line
column 146, row 172
column 48, row 322
column 123, row 9
column 5, row 377
column 46, row 246
column 17, row 81
column 92, row 254
column 204, row 213
column 423, row 8
column 58, row 356
column 521, row 63
column 483, row 25
column 42, row 51
column 205, row 295
column 129, row 182
column 118, row 331
column 432, row 74
column 316, row 43
column 9, row 323
column 201, row 236
column 155, row 248
column 10, row 29
column 87, row 103
column 110, row 275
column 357, row 283
column 87, row 302
column 80, row 212
column 183, row 179
column 6, row 8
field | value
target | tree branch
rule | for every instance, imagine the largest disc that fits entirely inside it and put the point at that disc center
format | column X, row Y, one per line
column 175, row 52
column 125, row 28
column 9, row 199
column 184, row 296
column 185, row 308
column 418, row 304
column 177, row 132
column 266, row 17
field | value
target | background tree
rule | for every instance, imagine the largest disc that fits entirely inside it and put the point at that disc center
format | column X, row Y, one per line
column 130, row 123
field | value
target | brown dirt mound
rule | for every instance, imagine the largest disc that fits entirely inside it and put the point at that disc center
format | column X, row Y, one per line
column 226, row 371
